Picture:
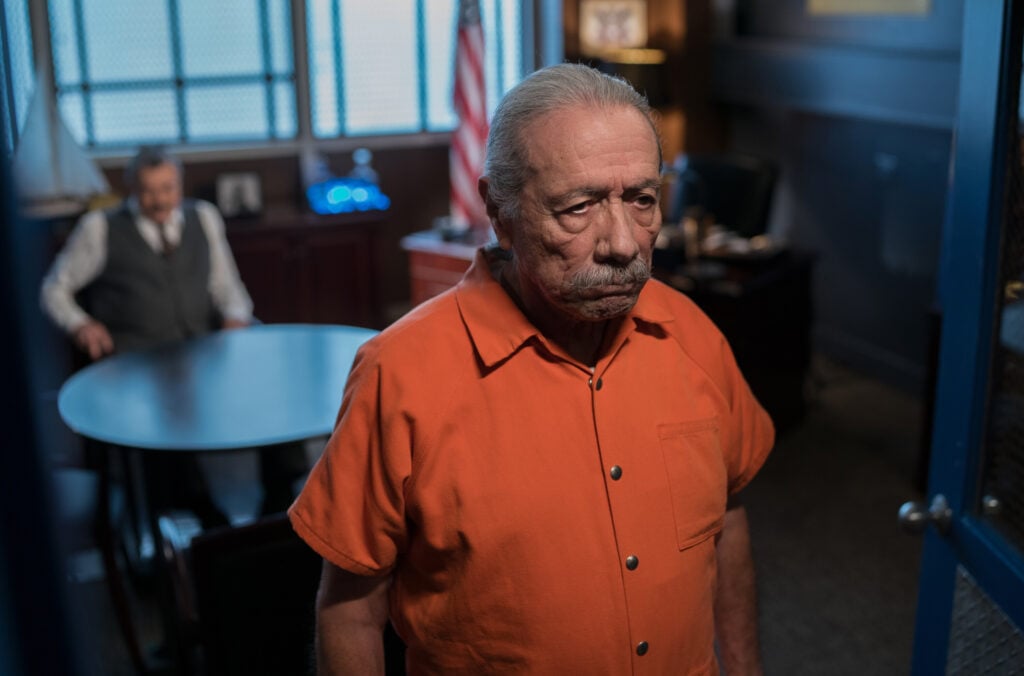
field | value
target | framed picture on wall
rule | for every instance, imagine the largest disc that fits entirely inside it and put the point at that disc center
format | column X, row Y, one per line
column 607, row 25
column 239, row 194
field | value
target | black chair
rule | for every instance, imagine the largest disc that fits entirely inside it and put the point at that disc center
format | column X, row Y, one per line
column 245, row 598
column 734, row 190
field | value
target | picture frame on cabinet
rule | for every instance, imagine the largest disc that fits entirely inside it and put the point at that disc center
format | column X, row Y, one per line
column 239, row 194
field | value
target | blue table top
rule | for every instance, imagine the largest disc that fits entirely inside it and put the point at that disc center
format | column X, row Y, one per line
column 264, row 385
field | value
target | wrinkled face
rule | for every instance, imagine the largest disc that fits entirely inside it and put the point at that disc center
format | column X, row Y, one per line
column 158, row 190
column 590, row 211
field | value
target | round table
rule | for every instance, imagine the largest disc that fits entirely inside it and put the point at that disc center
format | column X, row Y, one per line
column 264, row 385
column 257, row 387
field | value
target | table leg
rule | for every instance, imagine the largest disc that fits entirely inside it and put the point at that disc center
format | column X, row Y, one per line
column 281, row 466
column 144, row 557
column 115, row 582
column 159, row 493
column 143, row 549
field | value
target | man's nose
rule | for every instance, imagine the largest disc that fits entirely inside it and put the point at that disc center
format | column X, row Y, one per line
column 616, row 240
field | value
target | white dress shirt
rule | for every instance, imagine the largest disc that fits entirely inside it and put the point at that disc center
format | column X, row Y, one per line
column 85, row 255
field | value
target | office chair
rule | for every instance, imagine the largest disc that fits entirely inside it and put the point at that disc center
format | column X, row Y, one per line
column 734, row 190
column 245, row 598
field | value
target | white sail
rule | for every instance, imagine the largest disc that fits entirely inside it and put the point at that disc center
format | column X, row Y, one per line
column 50, row 170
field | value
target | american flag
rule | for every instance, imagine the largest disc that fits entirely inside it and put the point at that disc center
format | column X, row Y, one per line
column 469, row 142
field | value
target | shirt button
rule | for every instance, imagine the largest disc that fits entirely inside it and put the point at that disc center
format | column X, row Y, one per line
column 641, row 648
column 615, row 472
column 599, row 384
column 632, row 562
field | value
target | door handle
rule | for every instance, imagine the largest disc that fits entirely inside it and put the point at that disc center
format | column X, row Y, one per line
column 914, row 516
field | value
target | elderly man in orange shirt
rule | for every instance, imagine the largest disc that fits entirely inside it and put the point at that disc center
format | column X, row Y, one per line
column 532, row 473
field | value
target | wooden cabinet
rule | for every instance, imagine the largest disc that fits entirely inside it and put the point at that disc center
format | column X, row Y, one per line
column 435, row 264
column 309, row 268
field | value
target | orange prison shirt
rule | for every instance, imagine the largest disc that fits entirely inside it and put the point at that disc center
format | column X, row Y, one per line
column 538, row 515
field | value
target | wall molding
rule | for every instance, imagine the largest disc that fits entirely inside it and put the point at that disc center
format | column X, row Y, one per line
column 913, row 87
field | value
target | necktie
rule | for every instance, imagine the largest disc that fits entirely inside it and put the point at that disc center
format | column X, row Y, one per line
column 166, row 247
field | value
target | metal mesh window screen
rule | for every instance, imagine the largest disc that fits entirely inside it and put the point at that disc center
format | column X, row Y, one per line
column 138, row 71
column 1003, row 478
column 221, row 39
column 378, row 50
column 386, row 66
column 16, row 67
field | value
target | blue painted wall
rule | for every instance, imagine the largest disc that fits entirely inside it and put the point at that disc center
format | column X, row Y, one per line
column 858, row 112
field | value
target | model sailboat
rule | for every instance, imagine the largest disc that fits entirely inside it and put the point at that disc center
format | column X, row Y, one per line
column 53, row 175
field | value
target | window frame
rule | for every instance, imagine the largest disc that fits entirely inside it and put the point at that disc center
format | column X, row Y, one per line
column 538, row 47
column 179, row 85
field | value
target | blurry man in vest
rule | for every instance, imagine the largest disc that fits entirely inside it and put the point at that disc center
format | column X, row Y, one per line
column 155, row 269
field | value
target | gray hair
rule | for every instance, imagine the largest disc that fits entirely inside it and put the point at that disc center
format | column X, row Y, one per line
column 544, row 91
column 148, row 157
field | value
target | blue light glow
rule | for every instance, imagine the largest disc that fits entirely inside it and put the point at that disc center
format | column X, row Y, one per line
column 344, row 195
column 338, row 194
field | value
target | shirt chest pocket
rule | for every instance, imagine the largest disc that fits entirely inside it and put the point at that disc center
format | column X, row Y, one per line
column 696, row 476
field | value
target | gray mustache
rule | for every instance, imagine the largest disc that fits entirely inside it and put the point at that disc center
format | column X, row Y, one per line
column 636, row 272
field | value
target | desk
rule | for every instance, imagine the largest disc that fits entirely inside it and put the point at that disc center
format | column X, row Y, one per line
column 435, row 264
column 764, row 308
column 261, row 386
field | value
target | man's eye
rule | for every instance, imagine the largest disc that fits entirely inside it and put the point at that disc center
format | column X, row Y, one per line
column 578, row 208
column 645, row 201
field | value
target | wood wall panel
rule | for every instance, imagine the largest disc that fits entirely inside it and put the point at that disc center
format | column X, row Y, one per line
column 416, row 180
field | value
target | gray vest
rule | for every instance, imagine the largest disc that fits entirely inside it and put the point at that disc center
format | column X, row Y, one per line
column 145, row 299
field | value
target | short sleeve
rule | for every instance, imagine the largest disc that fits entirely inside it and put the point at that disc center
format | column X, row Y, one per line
column 352, row 508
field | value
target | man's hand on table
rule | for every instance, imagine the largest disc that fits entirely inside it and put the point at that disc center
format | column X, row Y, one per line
column 94, row 339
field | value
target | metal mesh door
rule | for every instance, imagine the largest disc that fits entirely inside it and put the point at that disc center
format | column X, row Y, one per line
column 983, row 640
column 1003, row 468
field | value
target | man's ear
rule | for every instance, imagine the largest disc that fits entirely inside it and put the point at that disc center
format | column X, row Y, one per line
column 502, row 234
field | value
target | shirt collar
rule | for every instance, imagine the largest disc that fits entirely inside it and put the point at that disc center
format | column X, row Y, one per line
column 496, row 325
column 498, row 328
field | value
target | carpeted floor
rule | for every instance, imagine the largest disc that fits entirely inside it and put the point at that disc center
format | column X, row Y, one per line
column 837, row 579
